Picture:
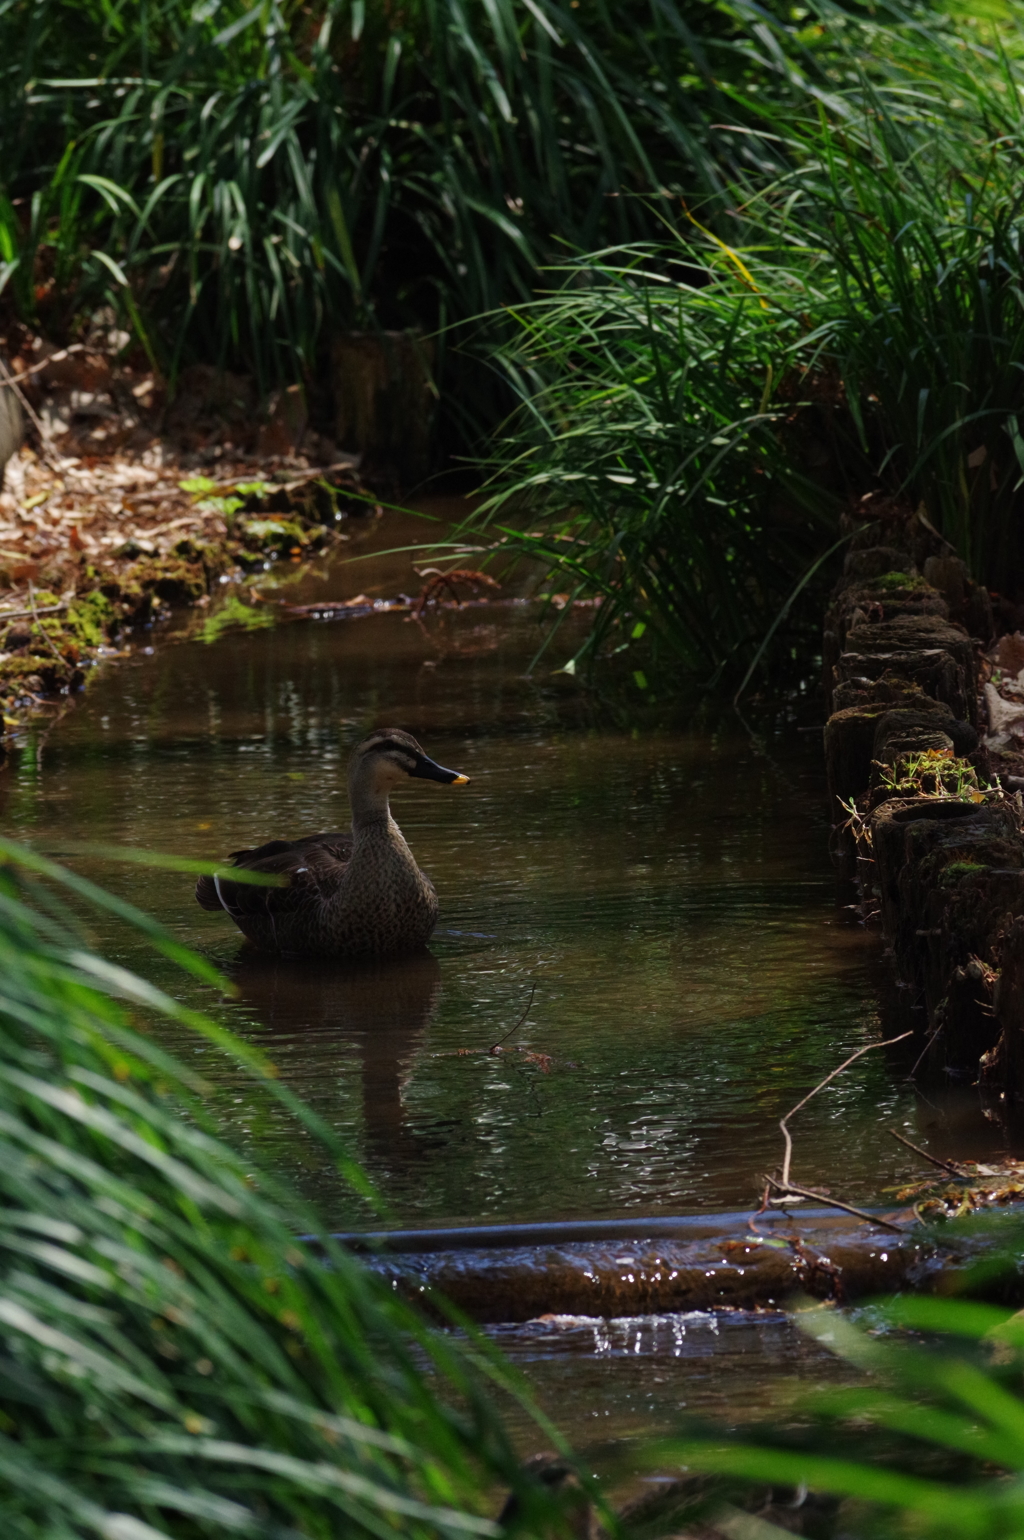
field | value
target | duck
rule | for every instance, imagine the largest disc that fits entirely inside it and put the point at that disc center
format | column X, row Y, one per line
column 342, row 895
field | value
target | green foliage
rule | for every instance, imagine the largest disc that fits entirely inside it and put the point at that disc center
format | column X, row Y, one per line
column 89, row 618
column 233, row 614
column 932, row 1444
column 645, row 461
column 905, row 190
column 871, row 289
column 242, row 180
column 931, row 773
column 240, row 177
column 173, row 1361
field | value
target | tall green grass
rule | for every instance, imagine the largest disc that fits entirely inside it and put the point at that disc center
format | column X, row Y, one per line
column 693, row 417
column 173, row 1361
column 646, row 464
column 258, row 175
column 904, row 194
column 931, row 1444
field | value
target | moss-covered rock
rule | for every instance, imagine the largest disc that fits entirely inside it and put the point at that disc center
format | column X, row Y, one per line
column 30, row 673
column 956, row 871
column 285, row 537
column 169, row 578
column 90, row 620
column 894, row 582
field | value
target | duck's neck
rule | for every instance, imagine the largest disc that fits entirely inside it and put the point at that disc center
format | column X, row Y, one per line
column 376, row 838
column 371, row 813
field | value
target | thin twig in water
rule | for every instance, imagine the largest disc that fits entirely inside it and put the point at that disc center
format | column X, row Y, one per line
column 943, row 1165
column 925, row 1051
column 529, row 1005
column 820, row 1087
column 785, row 1186
column 847, row 1208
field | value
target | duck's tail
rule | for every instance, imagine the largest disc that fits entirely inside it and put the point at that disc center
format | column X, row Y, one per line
column 207, row 896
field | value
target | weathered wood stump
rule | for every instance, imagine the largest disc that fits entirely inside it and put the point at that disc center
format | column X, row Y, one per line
column 949, row 878
column 12, row 425
column 938, row 855
column 386, row 403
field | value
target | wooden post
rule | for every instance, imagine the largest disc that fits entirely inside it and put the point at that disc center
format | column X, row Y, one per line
column 386, row 403
column 12, row 423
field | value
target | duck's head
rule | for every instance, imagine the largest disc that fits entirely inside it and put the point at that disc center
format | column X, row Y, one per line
column 388, row 757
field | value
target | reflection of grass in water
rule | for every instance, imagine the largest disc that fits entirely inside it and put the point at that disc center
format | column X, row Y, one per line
column 232, row 614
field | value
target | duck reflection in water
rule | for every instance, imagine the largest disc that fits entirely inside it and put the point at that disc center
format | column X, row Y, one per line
column 382, row 1010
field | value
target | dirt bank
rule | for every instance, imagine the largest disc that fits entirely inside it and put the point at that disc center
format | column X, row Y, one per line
column 120, row 505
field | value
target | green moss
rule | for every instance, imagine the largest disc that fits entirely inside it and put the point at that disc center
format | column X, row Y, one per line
column 89, row 619
column 931, row 773
column 22, row 666
column 279, row 535
column 890, row 581
column 170, row 578
column 957, row 869
column 234, row 613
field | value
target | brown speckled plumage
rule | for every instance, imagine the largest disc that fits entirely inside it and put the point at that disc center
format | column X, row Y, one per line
column 344, row 895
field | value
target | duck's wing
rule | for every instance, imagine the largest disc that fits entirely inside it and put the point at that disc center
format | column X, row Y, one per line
column 310, row 867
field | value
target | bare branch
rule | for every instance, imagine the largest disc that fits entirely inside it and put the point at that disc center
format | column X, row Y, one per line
column 820, row 1087
column 529, row 1004
column 943, row 1165
column 819, row 1197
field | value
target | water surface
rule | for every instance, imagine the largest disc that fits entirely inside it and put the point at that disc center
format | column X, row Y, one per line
column 643, row 920
column 646, row 921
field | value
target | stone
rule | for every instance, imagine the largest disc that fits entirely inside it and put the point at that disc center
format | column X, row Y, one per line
column 1009, row 653
column 1005, row 718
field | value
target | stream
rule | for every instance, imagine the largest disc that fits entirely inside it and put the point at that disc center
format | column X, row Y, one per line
column 647, row 918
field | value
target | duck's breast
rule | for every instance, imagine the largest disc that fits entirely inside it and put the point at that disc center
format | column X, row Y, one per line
column 384, row 902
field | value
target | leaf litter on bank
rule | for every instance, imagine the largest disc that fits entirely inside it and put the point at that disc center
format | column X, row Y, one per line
column 120, row 514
